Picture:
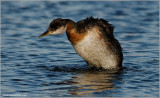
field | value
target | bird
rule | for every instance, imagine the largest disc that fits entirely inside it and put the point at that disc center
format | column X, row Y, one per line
column 92, row 39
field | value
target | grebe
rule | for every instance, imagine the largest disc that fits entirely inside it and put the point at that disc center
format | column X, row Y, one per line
column 93, row 39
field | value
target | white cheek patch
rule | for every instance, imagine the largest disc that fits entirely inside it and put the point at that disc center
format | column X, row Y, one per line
column 59, row 31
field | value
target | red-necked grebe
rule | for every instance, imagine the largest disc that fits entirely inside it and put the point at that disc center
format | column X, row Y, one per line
column 92, row 39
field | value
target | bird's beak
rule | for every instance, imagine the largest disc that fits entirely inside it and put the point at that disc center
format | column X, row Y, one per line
column 45, row 33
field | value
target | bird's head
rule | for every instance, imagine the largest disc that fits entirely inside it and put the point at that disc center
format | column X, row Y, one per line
column 57, row 26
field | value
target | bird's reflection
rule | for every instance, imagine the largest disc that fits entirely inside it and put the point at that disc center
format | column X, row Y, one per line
column 90, row 82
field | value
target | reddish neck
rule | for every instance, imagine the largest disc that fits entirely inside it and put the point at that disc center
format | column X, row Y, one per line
column 72, row 33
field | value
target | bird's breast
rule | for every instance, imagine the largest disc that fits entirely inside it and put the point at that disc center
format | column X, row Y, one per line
column 93, row 49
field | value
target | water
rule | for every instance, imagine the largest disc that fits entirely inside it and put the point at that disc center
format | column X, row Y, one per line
column 49, row 67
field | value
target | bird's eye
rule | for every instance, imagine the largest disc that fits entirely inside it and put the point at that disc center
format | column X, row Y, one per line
column 52, row 25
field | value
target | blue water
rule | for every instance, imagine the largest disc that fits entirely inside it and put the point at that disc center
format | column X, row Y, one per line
column 49, row 66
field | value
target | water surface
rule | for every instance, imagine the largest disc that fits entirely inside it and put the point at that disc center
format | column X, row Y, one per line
column 49, row 67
